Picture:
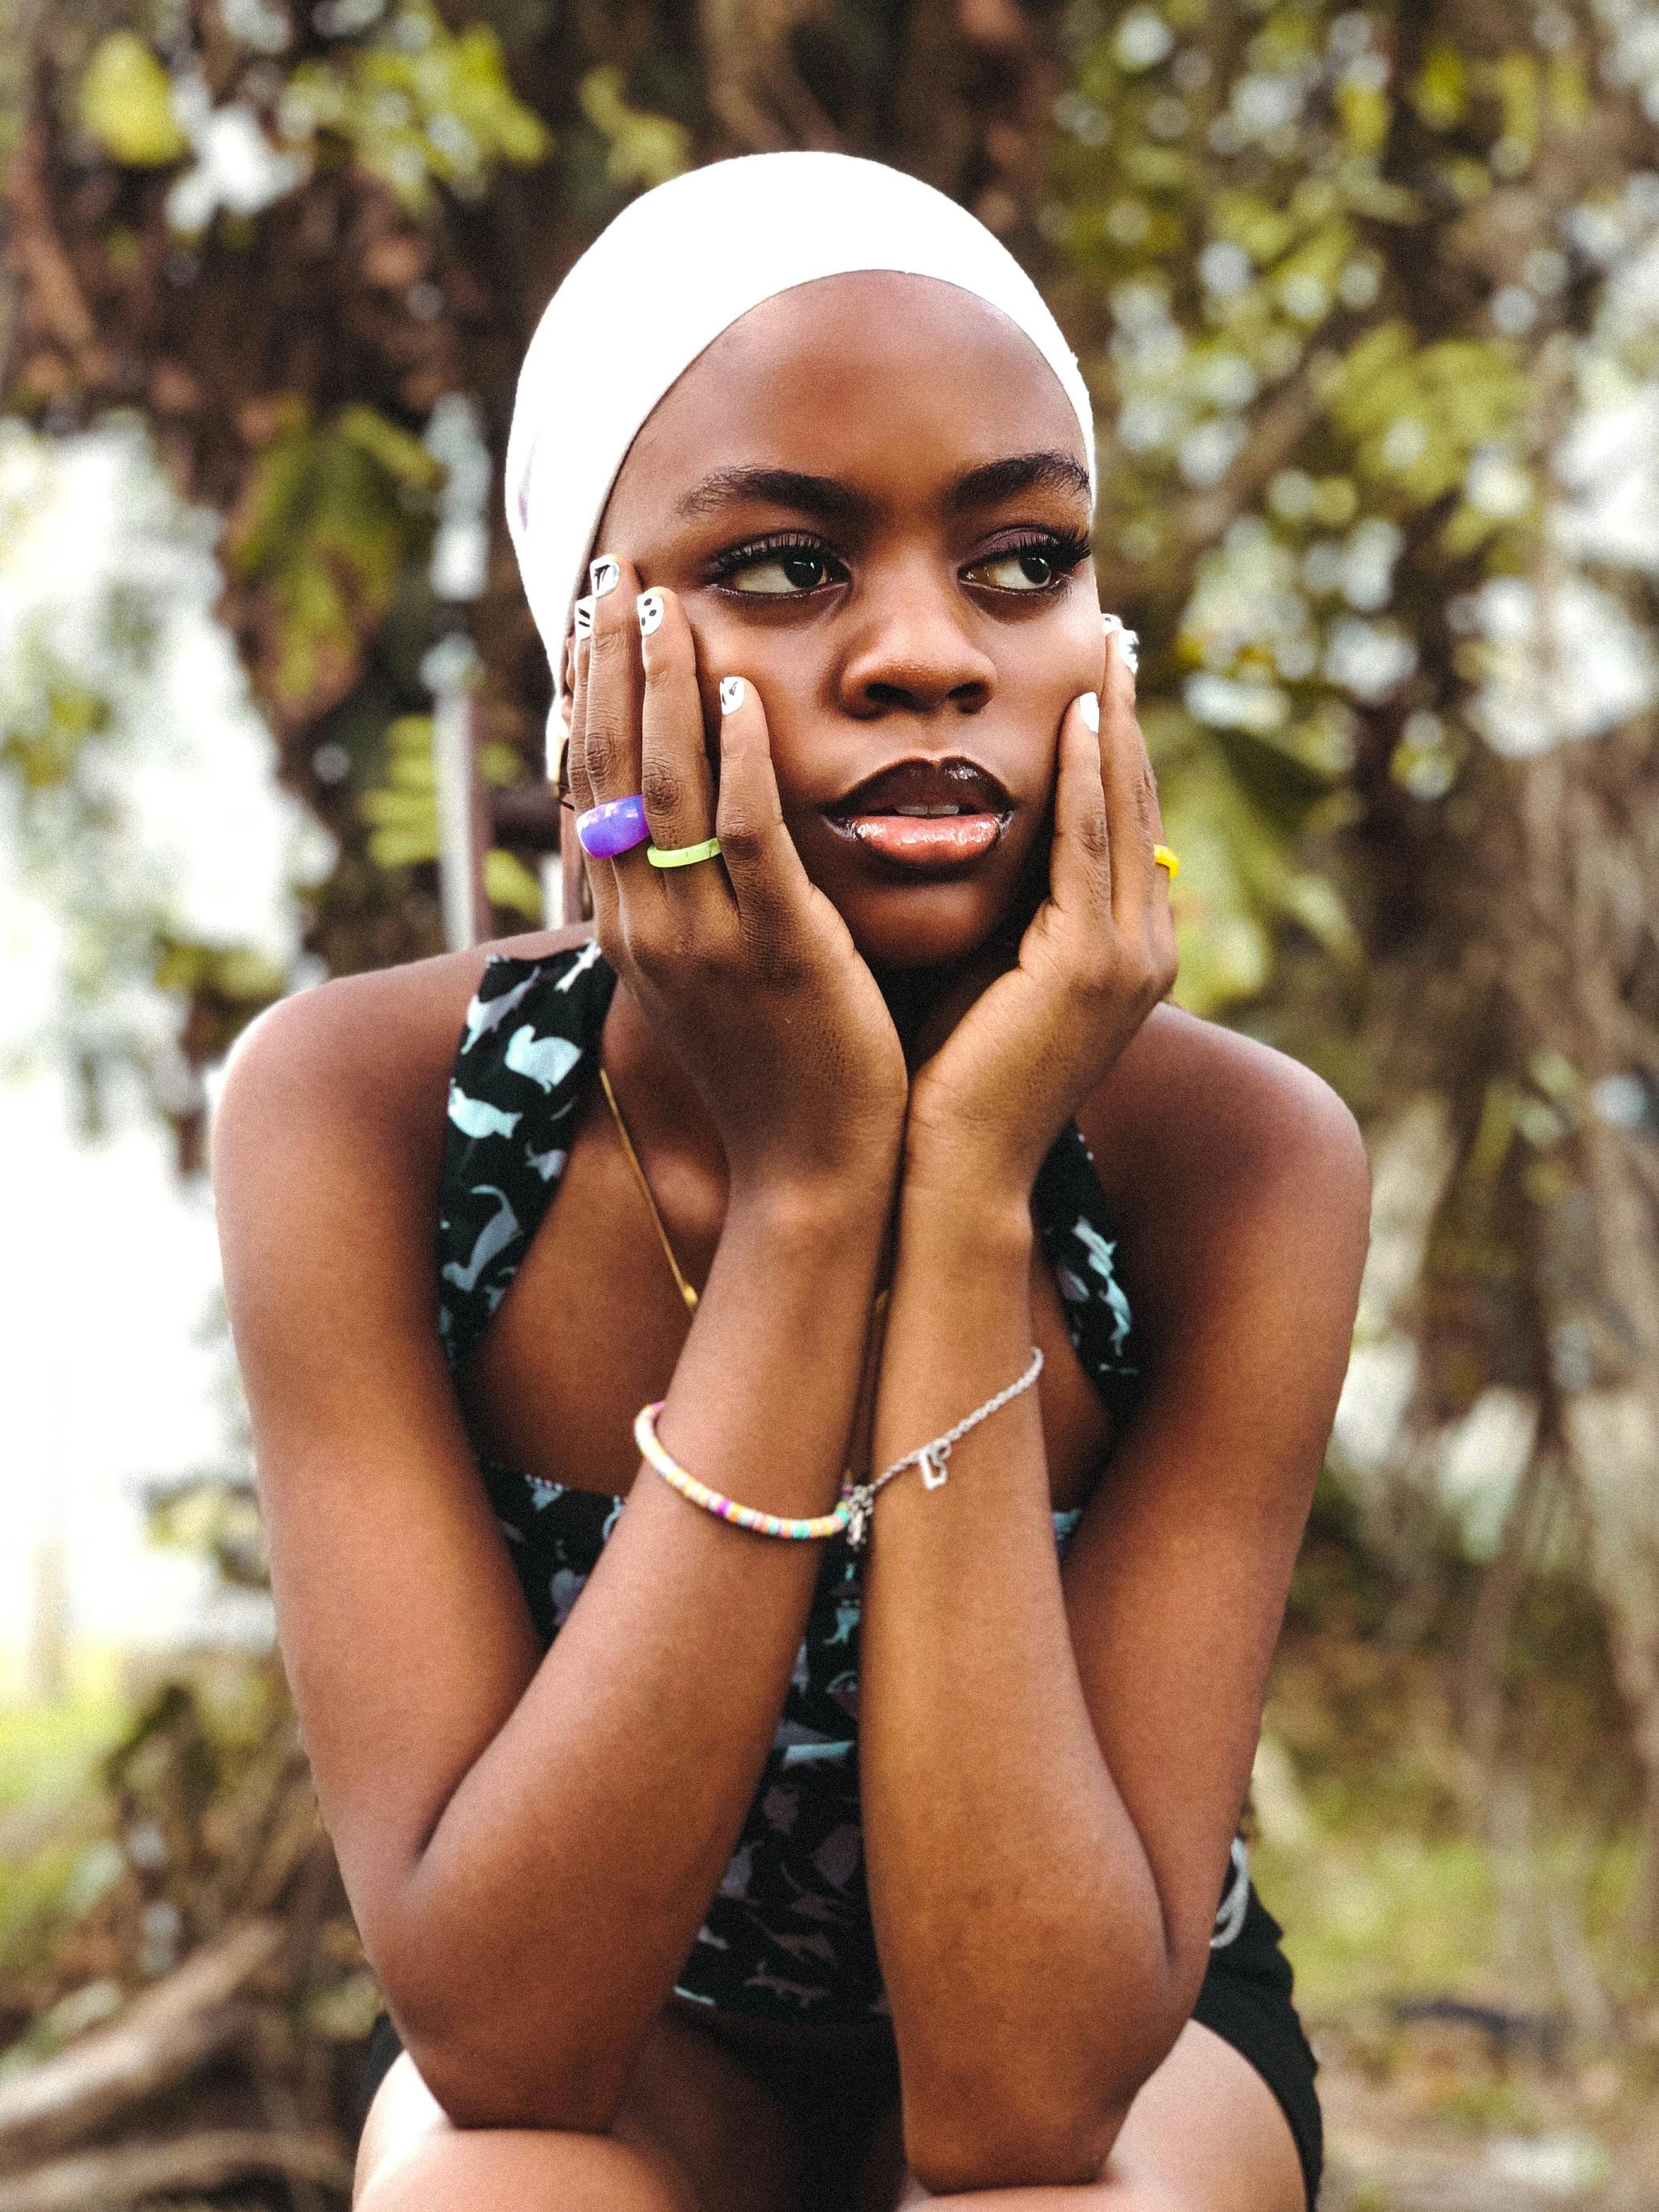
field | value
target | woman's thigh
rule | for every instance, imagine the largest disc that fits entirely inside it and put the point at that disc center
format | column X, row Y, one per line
column 695, row 2132
column 1205, row 2134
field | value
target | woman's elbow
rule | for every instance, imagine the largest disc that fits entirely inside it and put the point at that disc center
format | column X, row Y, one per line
column 481, row 2079
column 490, row 2058
column 1003, row 2148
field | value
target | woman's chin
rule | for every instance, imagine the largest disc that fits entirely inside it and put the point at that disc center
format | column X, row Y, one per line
column 937, row 926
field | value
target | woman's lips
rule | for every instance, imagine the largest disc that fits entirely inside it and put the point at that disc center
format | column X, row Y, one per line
column 921, row 814
column 923, row 840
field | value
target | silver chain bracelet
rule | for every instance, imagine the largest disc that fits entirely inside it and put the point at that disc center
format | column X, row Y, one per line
column 860, row 1497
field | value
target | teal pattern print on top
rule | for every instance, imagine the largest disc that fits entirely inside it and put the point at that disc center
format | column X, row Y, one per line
column 788, row 1933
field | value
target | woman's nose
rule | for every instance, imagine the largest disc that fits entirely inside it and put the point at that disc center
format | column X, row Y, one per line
column 915, row 651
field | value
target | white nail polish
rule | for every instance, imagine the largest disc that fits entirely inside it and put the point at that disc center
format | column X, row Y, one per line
column 583, row 613
column 604, row 574
column 1088, row 705
column 649, row 607
column 1128, row 644
column 732, row 688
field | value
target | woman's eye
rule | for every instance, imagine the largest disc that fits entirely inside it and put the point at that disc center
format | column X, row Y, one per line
column 778, row 574
column 1029, row 569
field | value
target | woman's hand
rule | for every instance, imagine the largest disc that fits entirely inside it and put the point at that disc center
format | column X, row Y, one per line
column 740, row 964
column 1095, row 960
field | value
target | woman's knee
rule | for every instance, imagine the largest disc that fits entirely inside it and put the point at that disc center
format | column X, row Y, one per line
column 526, row 2170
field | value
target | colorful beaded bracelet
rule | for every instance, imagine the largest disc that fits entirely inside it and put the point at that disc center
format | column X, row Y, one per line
column 716, row 1501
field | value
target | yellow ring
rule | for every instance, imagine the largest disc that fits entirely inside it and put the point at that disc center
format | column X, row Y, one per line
column 682, row 856
column 1164, row 858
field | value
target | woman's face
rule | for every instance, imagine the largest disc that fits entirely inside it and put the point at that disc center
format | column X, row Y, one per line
column 869, row 496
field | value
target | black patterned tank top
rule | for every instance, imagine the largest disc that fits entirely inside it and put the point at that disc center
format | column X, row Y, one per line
column 788, row 1934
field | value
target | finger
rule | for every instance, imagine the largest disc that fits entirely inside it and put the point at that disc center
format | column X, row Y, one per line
column 611, row 726
column 576, row 760
column 674, row 771
column 607, row 759
column 1125, row 774
column 601, row 882
column 1080, row 869
column 770, row 885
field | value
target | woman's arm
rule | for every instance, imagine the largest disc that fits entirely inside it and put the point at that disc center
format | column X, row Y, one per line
column 1053, row 1765
column 530, row 1843
column 1053, row 1761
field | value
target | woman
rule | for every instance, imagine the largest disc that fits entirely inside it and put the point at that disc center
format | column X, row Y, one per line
column 869, row 1855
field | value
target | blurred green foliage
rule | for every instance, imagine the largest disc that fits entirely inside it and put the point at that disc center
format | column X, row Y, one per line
column 417, row 105
column 1245, row 191
column 329, row 518
column 1342, row 278
column 126, row 104
column 1337, row 274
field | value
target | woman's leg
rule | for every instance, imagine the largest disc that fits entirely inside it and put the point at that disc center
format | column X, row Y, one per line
column 1205, row 2134
column 695, row 2133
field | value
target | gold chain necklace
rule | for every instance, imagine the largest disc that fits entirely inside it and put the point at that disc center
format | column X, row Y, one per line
column 687, row 1291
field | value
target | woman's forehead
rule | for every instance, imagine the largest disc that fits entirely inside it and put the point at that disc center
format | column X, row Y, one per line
column 870, row 375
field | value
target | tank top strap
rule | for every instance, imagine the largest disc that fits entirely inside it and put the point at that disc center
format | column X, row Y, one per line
column 1074, row 1221
column 528, row 1050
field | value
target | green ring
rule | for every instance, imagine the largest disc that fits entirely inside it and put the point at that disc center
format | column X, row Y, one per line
column 682, row 856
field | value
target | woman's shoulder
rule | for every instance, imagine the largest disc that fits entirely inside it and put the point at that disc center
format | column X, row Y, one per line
column 382, row 1041
column 1194, row 1113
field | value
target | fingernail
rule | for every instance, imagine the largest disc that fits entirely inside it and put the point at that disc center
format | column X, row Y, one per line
column 584, row 614
column 1128, row 644
column 1088, row 705
column 649, row 607
column 604, row 574
column 731, row 693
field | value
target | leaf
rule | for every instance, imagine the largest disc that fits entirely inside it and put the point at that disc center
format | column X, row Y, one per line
column 126, row 104
column 499, row 765
column 645, row 148
column 508, row 883
column 400, row 455
column 418, row 104
column 1516, row 79
column 410, row 763
column 1440, row 92
column 1240, row 874
column 320, row 536
column 1244, row 219
column 1365, row 114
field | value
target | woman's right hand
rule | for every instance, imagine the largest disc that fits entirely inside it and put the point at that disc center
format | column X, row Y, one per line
column 740, row 964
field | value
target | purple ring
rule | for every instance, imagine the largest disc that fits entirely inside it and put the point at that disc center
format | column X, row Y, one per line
column 615, row 825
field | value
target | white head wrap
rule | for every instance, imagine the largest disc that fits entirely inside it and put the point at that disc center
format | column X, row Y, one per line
column 660, row 283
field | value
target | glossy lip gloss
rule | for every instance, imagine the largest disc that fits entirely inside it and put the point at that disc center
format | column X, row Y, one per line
column 922, row 841
column 921, row 814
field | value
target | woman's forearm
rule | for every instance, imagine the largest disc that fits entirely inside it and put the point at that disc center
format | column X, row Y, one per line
column 564, row 1883
column 1018, row 1925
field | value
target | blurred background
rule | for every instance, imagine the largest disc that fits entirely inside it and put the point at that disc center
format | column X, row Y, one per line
column 1369, row 297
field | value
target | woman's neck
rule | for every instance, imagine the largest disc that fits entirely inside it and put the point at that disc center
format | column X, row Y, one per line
column 912, row 994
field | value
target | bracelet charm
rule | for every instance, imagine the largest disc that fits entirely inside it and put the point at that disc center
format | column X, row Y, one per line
column 859, row 1498
column 856, row 1505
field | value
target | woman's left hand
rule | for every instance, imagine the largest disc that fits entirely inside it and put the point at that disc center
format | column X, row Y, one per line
column 1095, row 960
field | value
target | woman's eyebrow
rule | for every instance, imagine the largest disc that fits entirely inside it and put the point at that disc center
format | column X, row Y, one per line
column 831, row 501
column 998, row 480
column 823, row 496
